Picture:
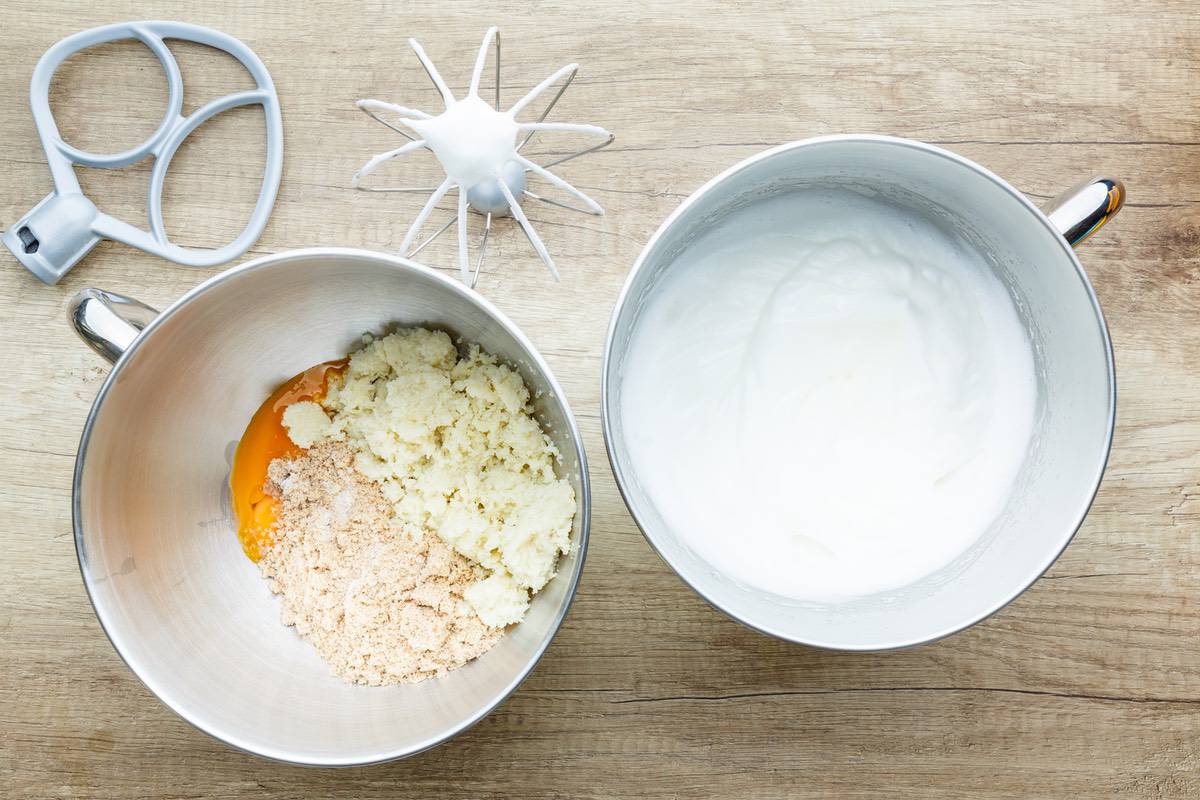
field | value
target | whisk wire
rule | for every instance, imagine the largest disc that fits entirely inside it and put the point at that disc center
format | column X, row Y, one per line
column 432, row 72
column 550, row 106
column 433, row 236
column 579, row 153
column 551, row 202
column 538, row 169
column 426, row 210
column 483, row 240
column 532, row 235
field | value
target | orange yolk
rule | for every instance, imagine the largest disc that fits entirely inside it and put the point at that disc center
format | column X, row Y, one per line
column 265, row 440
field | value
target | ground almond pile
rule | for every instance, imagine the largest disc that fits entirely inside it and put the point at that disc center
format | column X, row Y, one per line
column 381, row 601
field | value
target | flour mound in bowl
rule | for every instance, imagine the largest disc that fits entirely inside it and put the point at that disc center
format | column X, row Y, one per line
column 381, row 601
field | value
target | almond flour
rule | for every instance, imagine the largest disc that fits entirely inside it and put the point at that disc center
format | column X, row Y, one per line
column 380, row 601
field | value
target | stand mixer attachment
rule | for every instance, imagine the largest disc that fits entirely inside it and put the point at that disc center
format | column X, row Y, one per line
column 477, row 146
column 61, row 229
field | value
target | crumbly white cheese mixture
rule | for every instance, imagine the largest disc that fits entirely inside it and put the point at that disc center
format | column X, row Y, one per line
column 307, row 423
column 454, row 445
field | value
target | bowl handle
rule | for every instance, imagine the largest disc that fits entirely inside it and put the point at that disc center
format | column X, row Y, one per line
column 1079, row 211
column 108, row 322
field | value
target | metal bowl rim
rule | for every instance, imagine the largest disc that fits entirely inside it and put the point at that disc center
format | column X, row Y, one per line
column 386, row 261
column 624, row 480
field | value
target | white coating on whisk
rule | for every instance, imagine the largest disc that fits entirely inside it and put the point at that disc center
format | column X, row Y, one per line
column 477, row 146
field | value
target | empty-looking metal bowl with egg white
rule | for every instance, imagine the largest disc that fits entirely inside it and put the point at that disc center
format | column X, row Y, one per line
column 1031, row 252
column 155, row 532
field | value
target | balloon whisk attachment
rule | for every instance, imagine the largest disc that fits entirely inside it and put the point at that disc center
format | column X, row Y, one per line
column 480, row 149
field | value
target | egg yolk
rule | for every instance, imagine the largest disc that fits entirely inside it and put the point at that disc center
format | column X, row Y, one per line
column 265, row 440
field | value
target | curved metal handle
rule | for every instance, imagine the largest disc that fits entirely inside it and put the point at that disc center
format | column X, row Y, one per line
column 108, row 322
column 1081, row 210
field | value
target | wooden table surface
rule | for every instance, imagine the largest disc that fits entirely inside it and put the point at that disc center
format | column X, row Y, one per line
column 1086, row 686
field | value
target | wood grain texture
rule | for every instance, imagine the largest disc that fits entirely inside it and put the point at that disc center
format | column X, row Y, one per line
column 1087, row 686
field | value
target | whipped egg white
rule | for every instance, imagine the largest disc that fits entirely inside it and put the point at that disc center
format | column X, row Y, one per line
column 828, row 396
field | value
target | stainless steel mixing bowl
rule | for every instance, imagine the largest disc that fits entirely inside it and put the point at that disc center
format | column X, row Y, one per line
column 155, row 532
column 1031, row 252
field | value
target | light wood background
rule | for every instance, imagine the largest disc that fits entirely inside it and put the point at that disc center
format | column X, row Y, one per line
column 1087, row 686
